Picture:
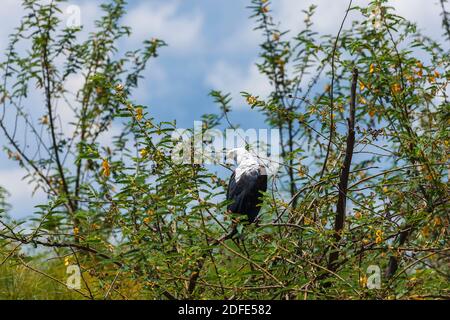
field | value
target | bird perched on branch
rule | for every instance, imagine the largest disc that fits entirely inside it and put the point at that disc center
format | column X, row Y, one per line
column 247, row 182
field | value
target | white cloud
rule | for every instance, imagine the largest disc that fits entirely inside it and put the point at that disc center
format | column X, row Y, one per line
column 425, row 13
column 243, row 39
column 66, row 115
column 9, row 14
column 156, row 83
column 105, row 139
column 21, row 193
column 182, row 31
column 329, row 14
column 327, row 18
column 12, row 11
column 229, row 78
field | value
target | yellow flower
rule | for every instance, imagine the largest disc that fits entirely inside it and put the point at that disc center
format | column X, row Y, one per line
column 143, row 153
column 154, row 41
column 119, row 87
column 106, row 168
column 301, row 171
column 419, row 73
column 324, row 114
column 139, row 114
column 385, row 189
column 280, row 62
column 362, row 86
column 425, row 231
column 362, row 100
column 76, row 231
column 147, row 220
column 363, row 281
column 396, row 88
column 99, row 90
column 371, row 68
column 252, row 100
column 66, row 261
column 379, row 236
column 44, row 120
column 432, row 79
column 410, row 78
column 437, row 221
column 301, row 118
column 358, row 215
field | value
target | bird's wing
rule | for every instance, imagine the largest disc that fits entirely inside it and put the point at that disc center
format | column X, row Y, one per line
column 231, row 185
column 245, row 192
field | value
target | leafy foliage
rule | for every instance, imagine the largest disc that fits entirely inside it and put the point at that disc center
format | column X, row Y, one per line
column 140, row 225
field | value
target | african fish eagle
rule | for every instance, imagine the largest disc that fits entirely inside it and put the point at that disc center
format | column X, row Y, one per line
column 247, row 182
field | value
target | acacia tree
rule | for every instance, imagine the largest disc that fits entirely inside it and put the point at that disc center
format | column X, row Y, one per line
column 363, row 126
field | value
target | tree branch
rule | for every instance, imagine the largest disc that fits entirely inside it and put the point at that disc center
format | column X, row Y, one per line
column 345, row 173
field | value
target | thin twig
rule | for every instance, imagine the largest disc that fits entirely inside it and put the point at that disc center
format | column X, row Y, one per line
column 331, row 90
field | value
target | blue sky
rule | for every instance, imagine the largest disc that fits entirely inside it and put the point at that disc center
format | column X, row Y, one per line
column 212, row 45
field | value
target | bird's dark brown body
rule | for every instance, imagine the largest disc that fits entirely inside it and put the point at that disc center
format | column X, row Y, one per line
column 246, row 192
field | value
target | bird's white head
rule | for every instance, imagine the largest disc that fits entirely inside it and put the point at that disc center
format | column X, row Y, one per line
column 239, row 155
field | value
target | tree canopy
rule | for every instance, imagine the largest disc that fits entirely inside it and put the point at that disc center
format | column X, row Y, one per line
column 357, row 210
